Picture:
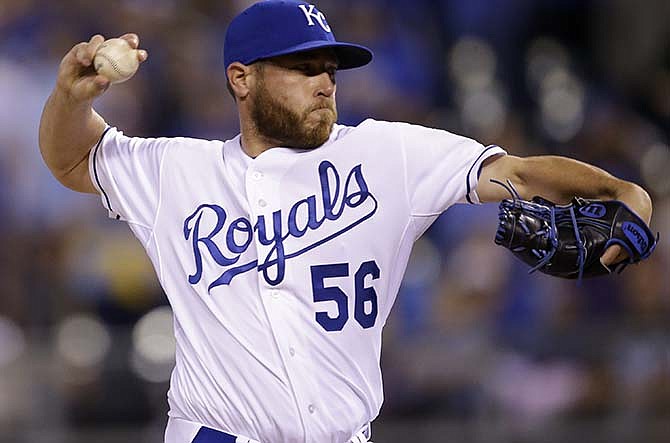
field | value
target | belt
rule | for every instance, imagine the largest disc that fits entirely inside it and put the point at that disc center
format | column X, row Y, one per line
column 208, row 435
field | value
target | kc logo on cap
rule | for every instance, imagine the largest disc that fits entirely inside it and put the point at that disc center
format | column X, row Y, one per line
column 272, row 28
column 311, row 12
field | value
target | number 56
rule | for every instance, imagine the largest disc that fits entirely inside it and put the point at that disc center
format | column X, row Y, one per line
column 363, row 295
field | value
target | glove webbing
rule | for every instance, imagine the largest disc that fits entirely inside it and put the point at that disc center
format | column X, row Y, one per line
column 551, row 234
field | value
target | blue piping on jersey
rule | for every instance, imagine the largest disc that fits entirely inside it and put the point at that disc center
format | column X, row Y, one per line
column 467, row 177
column 95, row 171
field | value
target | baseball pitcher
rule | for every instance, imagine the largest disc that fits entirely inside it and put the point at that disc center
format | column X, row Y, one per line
column 281, row 250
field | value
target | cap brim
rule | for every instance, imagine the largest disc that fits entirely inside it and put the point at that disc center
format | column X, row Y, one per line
column 349, row 55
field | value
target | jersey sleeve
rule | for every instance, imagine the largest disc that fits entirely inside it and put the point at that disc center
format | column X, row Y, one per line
column 126, row 172
column 441, row 168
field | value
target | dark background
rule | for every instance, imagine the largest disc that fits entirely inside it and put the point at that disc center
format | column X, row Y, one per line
column 476, row 350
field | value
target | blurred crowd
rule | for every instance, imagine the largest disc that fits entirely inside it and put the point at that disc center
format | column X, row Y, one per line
column 85, row 332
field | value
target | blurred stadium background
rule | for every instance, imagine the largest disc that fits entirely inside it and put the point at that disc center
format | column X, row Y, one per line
column 476, row 350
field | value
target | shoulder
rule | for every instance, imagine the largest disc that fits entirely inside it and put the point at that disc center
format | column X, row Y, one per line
column 115, row 136
column 381, row 127
column 370, row 127
column 402, row 137
column 371, row 124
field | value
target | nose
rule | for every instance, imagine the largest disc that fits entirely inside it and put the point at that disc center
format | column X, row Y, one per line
column 326, row 84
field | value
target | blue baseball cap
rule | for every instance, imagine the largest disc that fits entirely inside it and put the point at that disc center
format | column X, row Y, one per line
column 272, row 28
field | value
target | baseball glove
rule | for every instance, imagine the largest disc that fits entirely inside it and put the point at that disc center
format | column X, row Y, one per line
column 567, row 240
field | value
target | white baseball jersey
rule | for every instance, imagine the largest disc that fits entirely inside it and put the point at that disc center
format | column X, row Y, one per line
column 282, row 269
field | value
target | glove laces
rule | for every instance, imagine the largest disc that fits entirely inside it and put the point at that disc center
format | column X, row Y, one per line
column 551, row 234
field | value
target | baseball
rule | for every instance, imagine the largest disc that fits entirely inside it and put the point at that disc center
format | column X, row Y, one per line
column 116, row 60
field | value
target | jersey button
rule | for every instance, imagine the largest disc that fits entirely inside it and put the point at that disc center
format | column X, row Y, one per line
column 291, row 351
column 262, row 203
column 274, row 294
column 311, row 409
column 257, row 175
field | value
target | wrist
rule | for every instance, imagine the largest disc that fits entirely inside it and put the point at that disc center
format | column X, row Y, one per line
column 636, row 198
column 68, row 103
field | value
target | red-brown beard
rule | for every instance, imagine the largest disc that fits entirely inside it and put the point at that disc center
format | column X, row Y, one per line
column 277, row 122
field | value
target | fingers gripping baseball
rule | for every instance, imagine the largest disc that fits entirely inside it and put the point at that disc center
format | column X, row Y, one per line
column 78, row 76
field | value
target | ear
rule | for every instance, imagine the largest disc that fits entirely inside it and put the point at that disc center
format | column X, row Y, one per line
column 239, row 79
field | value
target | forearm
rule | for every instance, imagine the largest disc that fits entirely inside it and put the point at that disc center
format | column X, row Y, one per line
column 559, row 179
column 69, row 128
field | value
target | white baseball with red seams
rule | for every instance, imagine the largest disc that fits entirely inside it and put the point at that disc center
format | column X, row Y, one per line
column 116, row 60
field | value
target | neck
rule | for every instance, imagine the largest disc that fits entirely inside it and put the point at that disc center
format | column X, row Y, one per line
column 252, row 141
column 254, row 144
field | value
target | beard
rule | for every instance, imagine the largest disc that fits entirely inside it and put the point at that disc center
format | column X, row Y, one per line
column 275, row 121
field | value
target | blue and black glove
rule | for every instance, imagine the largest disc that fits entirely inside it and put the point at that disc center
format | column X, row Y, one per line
column 568, row 240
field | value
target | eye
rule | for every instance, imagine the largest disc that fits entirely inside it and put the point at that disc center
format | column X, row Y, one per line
column 312, row 69
column 303, row 67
